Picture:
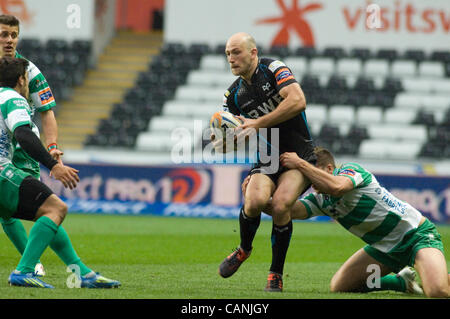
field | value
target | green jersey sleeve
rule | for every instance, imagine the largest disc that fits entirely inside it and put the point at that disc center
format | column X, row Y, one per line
column 312, row 204
column 40, row 92
column 15, row 111
column 41, row 95
column 358, row 175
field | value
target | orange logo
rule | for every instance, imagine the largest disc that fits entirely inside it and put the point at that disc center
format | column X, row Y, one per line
column 292, row 19
column 16, row 8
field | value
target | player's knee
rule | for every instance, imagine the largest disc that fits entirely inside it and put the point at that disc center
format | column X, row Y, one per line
column 280, row 207
column 255, row 204
column 441, row 291
column 335, row 286
column 55, row 209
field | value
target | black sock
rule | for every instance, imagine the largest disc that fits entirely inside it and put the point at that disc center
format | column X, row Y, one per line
column 248, row 228
column 281, row 236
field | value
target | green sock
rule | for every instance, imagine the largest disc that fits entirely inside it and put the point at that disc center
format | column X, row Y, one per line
column 62, row 246
column 15, row 231
column 389, row 282
column 41, row 234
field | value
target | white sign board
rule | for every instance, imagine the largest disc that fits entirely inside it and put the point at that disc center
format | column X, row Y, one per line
column 401, row 24
column 44, row 19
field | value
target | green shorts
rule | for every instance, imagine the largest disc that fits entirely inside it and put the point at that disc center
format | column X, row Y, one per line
column 10, row 179
column 404, row 254
column 24, row 162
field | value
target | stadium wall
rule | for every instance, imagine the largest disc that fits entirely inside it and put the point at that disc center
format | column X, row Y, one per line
column 209, row 190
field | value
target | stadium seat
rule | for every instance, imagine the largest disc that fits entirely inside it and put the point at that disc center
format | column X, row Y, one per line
column 425, row 117
column 349, row 66
column 441, row 86
column 417, row 85
column 213, row 62
column 397, row 132
column 408, row 100
column 364, row 85
column 392, row 86
column 298, row 65
column 374, row 149
column 368, row 114
column 178, row 108
column 436, row 102
column 408, row 150
column 385, row 149
column 431, row 69
column 280, row 51
column 310, row 83
column 329, row 133
column 335, row 83
column 166, row 124
column 197, row 50
column 338, row 114
column 403, row 68
column 28, row 45
column 321, row 66
column 361, row 53
column 376, row 67
column 387, row 54
column 440, row 56
column 222, row 79
column 417, row 55
column 316, row 113
column 399, row 116
column 57, row 45
column 357, row 133
column 154, row 141
column 308, row 52
column 335, row 53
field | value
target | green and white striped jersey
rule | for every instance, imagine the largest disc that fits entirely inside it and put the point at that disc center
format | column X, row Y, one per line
column 40, row 99
column 41, row 96
column 15, row 112
column 369, row 211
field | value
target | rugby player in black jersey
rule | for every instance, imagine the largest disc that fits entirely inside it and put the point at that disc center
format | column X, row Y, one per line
column 269, row 100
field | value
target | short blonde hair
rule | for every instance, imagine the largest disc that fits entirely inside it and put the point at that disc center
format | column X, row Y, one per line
column 324, row 157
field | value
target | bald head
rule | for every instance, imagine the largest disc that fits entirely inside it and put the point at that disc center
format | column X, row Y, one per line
column 242, row 54
column 244, row 39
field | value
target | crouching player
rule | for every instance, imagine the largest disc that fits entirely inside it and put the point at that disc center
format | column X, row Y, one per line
column 397, row 235
column 24, row 197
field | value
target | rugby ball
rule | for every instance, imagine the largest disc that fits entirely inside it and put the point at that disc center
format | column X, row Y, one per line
column 224, row 120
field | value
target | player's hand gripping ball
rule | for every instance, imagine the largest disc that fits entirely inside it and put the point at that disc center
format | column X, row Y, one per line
column 223, row 123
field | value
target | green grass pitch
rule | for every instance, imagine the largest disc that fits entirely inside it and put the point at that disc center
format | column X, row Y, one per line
column 178, row 258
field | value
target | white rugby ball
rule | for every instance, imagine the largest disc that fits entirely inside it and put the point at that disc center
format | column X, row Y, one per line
column 224, row 120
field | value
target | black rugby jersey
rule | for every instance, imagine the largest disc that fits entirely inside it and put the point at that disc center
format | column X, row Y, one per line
column 262, row 97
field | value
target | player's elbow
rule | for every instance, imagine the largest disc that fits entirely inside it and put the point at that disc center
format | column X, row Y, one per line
column 299, row 103
column 336, row 190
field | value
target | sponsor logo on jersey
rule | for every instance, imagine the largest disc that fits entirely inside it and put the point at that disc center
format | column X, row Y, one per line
column 46, row 96
column 39, row 83
column 275, row 65
column 283, row 75
column 348, row 172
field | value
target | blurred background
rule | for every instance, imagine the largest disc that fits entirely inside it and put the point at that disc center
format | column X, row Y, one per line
column 136, row 82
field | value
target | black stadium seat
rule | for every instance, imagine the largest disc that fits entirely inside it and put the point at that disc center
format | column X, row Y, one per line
column 279, row 51
column 361, row 53
column 387, row 54
column 307, row 52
